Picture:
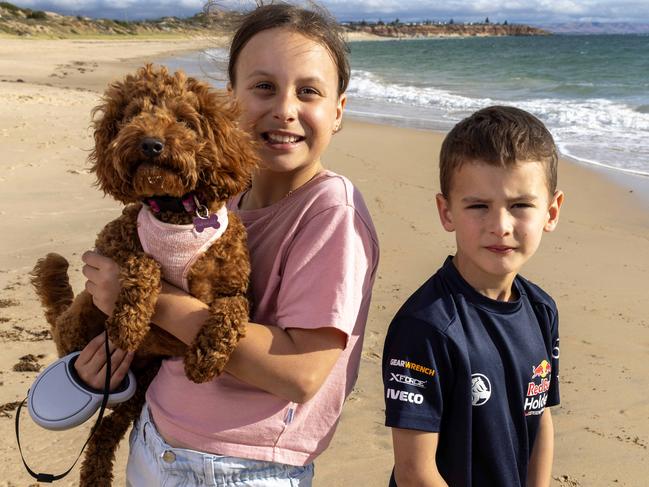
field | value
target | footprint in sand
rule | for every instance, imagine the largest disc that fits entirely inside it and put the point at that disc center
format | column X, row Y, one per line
column 371, row 356
column 6, row 303
column 567, row 481
column 354, row 395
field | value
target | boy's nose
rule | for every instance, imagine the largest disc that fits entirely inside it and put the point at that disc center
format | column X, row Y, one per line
column 501, row 223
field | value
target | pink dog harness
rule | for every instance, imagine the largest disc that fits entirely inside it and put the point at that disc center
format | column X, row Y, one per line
column 177, row 247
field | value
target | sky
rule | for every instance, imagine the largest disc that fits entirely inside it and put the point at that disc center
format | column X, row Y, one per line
column 522, row 11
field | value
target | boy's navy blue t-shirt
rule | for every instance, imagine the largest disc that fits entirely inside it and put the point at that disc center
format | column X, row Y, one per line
column 477, row 371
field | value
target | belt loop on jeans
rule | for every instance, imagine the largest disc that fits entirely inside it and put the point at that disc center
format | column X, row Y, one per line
column 208, row 470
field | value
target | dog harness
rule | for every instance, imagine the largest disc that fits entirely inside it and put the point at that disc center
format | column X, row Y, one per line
column 177, row 247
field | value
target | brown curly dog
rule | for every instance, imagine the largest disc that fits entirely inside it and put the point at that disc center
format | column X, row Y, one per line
column 169, row 148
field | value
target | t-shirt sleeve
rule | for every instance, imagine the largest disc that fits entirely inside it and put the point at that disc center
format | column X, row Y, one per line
column 553, row 392
column 415, row 365
column 328, row 271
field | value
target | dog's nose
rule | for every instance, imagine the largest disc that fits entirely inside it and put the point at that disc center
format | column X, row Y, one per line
column 151, row 146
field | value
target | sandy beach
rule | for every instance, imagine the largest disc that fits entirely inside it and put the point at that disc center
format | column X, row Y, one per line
column 595, row 266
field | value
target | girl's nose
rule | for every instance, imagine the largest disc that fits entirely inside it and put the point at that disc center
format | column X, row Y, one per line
column 285, row 109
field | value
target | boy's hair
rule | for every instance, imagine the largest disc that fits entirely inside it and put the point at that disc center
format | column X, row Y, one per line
column 498, row 136
column 315, row 23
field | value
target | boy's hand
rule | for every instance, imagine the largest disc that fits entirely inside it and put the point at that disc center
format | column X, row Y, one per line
column 91, row 363
column 102, row 274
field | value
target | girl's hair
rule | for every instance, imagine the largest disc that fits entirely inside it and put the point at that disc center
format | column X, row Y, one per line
column 315, row 23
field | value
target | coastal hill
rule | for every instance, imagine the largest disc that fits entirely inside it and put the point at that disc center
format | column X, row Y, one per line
column 397, row 29
column 25, row 22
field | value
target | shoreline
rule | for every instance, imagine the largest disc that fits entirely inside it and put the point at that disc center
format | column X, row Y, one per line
column 595, row 266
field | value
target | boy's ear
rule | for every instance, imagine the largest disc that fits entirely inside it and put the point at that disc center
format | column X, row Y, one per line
column 444, row 211
column 553, row 211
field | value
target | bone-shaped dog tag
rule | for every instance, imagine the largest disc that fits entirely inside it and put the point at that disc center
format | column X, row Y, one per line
column 201, row 224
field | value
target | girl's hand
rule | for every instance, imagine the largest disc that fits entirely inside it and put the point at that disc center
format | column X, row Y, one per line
column 91, row 363
column 102, row 274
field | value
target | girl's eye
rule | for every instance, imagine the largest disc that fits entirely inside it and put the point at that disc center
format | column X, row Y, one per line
column 263, row 86
column 308, row 91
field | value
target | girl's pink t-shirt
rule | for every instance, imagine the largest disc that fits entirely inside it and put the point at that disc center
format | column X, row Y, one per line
column 314, row 256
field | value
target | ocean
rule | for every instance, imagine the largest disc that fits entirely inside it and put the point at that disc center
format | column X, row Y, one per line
column 591, row 91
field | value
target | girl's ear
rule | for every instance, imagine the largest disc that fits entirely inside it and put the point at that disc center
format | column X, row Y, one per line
column 444, row 210
column 553, row 211
column 340, row 108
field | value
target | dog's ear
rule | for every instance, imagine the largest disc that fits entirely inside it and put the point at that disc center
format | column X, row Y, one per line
column 231, row 150
column 106, row 119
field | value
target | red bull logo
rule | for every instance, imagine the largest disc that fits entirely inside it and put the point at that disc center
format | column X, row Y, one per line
column 542, row 370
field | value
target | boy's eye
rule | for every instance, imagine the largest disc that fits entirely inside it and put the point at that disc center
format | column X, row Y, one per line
column 477, row 206
column 522, row 205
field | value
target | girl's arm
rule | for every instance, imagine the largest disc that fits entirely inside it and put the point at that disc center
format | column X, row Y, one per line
column 539, row 472
column 292, row 363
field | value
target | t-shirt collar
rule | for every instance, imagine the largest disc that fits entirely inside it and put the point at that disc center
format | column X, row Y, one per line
column 477, row 299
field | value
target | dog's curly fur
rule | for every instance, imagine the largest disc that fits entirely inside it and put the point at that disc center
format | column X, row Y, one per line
column 204, row 153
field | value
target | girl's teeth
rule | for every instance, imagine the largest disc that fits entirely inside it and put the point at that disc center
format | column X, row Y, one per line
column 282, row 139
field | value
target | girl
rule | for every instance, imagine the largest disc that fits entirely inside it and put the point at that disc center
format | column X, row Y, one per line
column 313, row 253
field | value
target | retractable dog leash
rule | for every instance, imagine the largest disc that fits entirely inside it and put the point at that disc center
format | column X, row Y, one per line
column 60, row 416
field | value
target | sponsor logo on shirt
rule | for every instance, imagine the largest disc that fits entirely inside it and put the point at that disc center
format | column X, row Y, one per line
column 404, row 396
column 541, row 370
column 480, row 389
column 404, row 379
column 555, row 350
column 412, row 366
column 537, row 393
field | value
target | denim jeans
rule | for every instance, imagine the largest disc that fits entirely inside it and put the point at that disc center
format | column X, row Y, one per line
column 152, row 462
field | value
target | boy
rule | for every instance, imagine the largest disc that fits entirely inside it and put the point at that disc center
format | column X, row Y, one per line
column 471, row 359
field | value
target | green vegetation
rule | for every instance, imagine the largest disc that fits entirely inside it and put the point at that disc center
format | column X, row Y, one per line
column 26, row 22
column 37, row 15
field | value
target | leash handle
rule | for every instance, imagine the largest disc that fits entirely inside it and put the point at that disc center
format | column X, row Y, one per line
column 48, row 477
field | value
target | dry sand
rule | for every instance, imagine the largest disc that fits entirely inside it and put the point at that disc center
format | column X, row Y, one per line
column 595, row 265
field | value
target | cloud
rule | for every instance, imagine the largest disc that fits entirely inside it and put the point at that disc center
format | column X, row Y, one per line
column 461, row 10
column 121, row 9
column 515, row 10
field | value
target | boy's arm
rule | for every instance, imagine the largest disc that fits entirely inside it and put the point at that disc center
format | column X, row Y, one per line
column 539, row 471
column 414, row 458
